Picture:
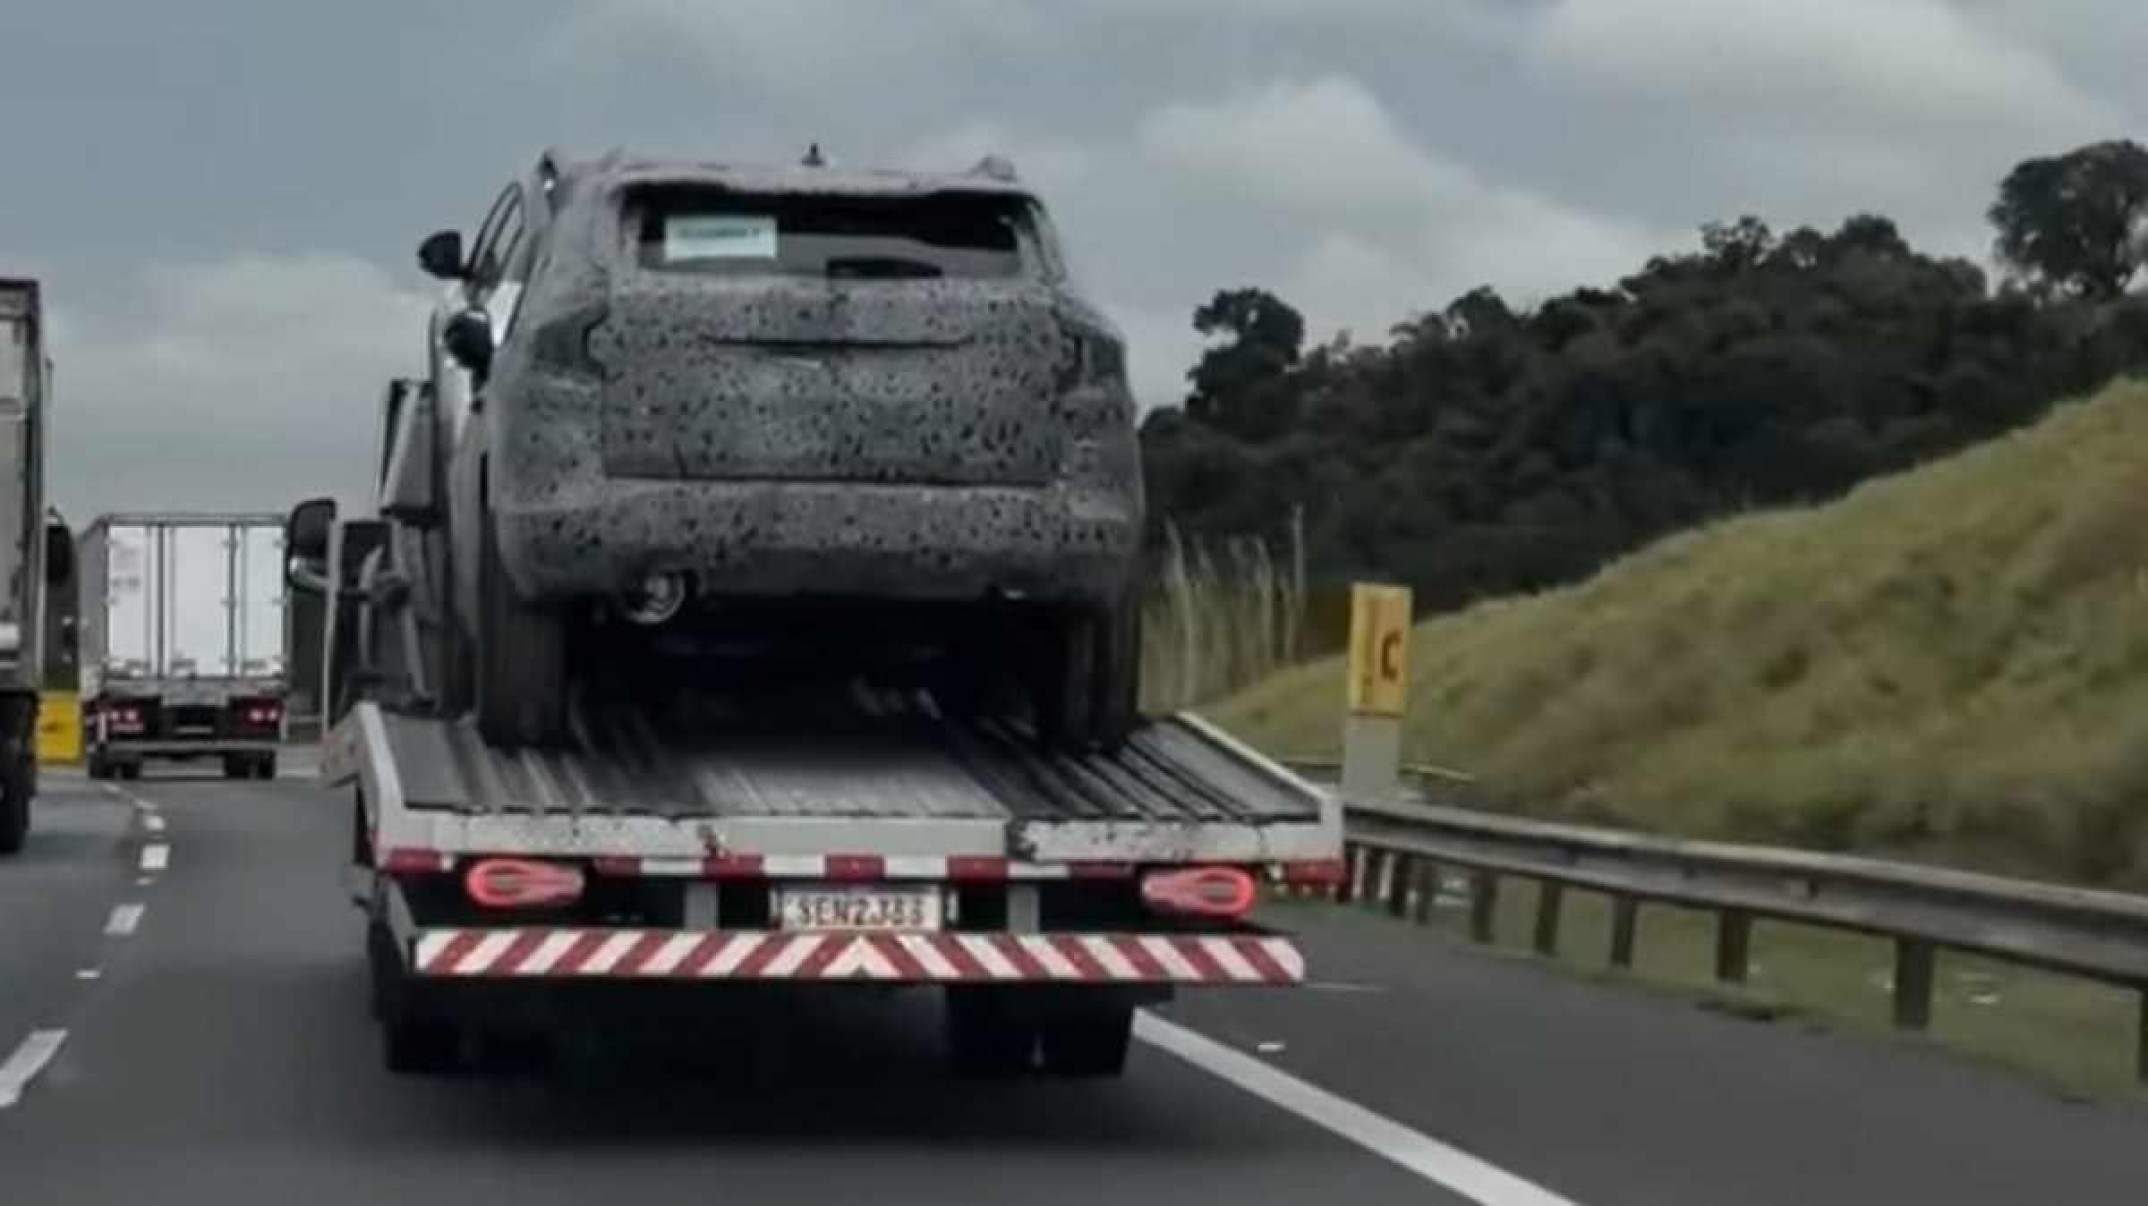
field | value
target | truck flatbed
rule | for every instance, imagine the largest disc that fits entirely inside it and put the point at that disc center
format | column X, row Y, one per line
column 881, row 775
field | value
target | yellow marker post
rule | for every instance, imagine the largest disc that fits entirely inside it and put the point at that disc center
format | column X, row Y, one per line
column 59, row 728
column 1379, row 690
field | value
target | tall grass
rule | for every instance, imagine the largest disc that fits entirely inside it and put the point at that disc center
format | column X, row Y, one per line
column 1220, row 617
column 1950, row 662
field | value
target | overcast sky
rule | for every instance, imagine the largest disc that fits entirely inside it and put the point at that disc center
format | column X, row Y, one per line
column 222, row 197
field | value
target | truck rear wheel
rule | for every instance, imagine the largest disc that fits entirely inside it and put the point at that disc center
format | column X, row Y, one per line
column 413, row 1040
column 14, row 807
column 521, row 656
column 986, row 1036
column 236, row 766
column 1089, row 1043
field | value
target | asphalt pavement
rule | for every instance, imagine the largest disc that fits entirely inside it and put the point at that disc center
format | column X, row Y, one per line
column 216, row 1048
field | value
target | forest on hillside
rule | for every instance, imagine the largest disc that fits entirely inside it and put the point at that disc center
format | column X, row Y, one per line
column 1485, row 449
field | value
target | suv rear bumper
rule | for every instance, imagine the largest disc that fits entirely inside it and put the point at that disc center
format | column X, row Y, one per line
column 772, row 538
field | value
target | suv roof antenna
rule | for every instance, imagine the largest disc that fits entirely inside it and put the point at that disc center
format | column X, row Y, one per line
column 813, row 157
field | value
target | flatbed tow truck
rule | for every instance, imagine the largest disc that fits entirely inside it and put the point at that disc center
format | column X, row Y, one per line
column 854, row 838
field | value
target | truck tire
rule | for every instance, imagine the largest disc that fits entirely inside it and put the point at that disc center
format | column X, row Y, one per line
column 265, row 767
column 1090, row 1042
column 129, row 770
column 95, row 766
column 521, row 658
column 236, row 766
column 14, row 807
column 413, row 1041
column 985, row 1037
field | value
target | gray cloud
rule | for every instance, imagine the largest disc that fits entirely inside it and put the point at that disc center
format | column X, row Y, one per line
column 224, row 342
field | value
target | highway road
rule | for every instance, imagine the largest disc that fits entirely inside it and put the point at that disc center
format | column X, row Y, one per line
column 213, row 1046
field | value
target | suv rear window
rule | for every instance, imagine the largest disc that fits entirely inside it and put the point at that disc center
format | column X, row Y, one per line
column 844, row 238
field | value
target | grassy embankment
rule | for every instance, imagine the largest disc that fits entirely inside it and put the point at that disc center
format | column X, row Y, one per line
column 1950, row 664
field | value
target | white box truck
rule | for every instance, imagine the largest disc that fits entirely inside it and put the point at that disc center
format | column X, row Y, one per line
column 182, row 642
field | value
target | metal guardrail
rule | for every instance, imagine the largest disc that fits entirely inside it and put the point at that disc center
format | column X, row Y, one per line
column 1395, row 853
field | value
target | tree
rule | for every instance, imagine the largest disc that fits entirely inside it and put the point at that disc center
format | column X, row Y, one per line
column 2075, row 221
column 1238, row 386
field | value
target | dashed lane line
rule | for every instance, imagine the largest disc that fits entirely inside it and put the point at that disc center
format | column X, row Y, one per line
column 1444, row 1165
column 123, row 921
column 156, row 857
column 28, row 1060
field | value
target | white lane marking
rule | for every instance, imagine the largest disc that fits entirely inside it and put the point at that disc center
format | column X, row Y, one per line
column 152, row 822
column 88, row 973
column 123, row 920
column 143, row 881
column 1449, row 1167
column 156, row 858
column 28, row 1060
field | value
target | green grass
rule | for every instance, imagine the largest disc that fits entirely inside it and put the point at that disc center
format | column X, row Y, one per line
column 1951, row 663
column 2073, row 1036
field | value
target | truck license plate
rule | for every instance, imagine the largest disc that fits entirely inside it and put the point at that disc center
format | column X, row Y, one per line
column 858, row 907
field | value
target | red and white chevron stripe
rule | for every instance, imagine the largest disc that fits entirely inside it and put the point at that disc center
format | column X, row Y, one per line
column 915, row 958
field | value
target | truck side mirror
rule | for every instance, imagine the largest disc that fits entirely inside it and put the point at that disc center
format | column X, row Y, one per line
column 468, row 338
column 305, row 543
column 441, row 255
column 59, row 555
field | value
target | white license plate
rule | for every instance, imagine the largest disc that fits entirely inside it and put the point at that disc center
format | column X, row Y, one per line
column 858, row 907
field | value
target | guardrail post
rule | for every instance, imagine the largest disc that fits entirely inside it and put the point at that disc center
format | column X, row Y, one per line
column 1625, row 919
column 2140, row 1050
column 1483, row 904
column 1548, row 896
column 1913, row 960
column 1353, row 866
column 1400, row 873
column 1427, row 882
column 1733, row 945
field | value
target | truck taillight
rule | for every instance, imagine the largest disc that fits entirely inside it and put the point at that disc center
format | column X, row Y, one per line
column 126, row 720
column 262, row 714
column 1220, row 892
column 520, row 883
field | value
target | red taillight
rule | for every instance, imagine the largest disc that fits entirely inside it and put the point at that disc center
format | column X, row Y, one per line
column 405, row 860
column 125, row 719
column 1224, row 892
column 1314, row 872
column 520, row 883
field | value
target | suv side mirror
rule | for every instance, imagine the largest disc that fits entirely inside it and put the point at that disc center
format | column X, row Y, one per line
column 306, row 536
column 441, row 255
column 59, row 555
column 468, row 338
